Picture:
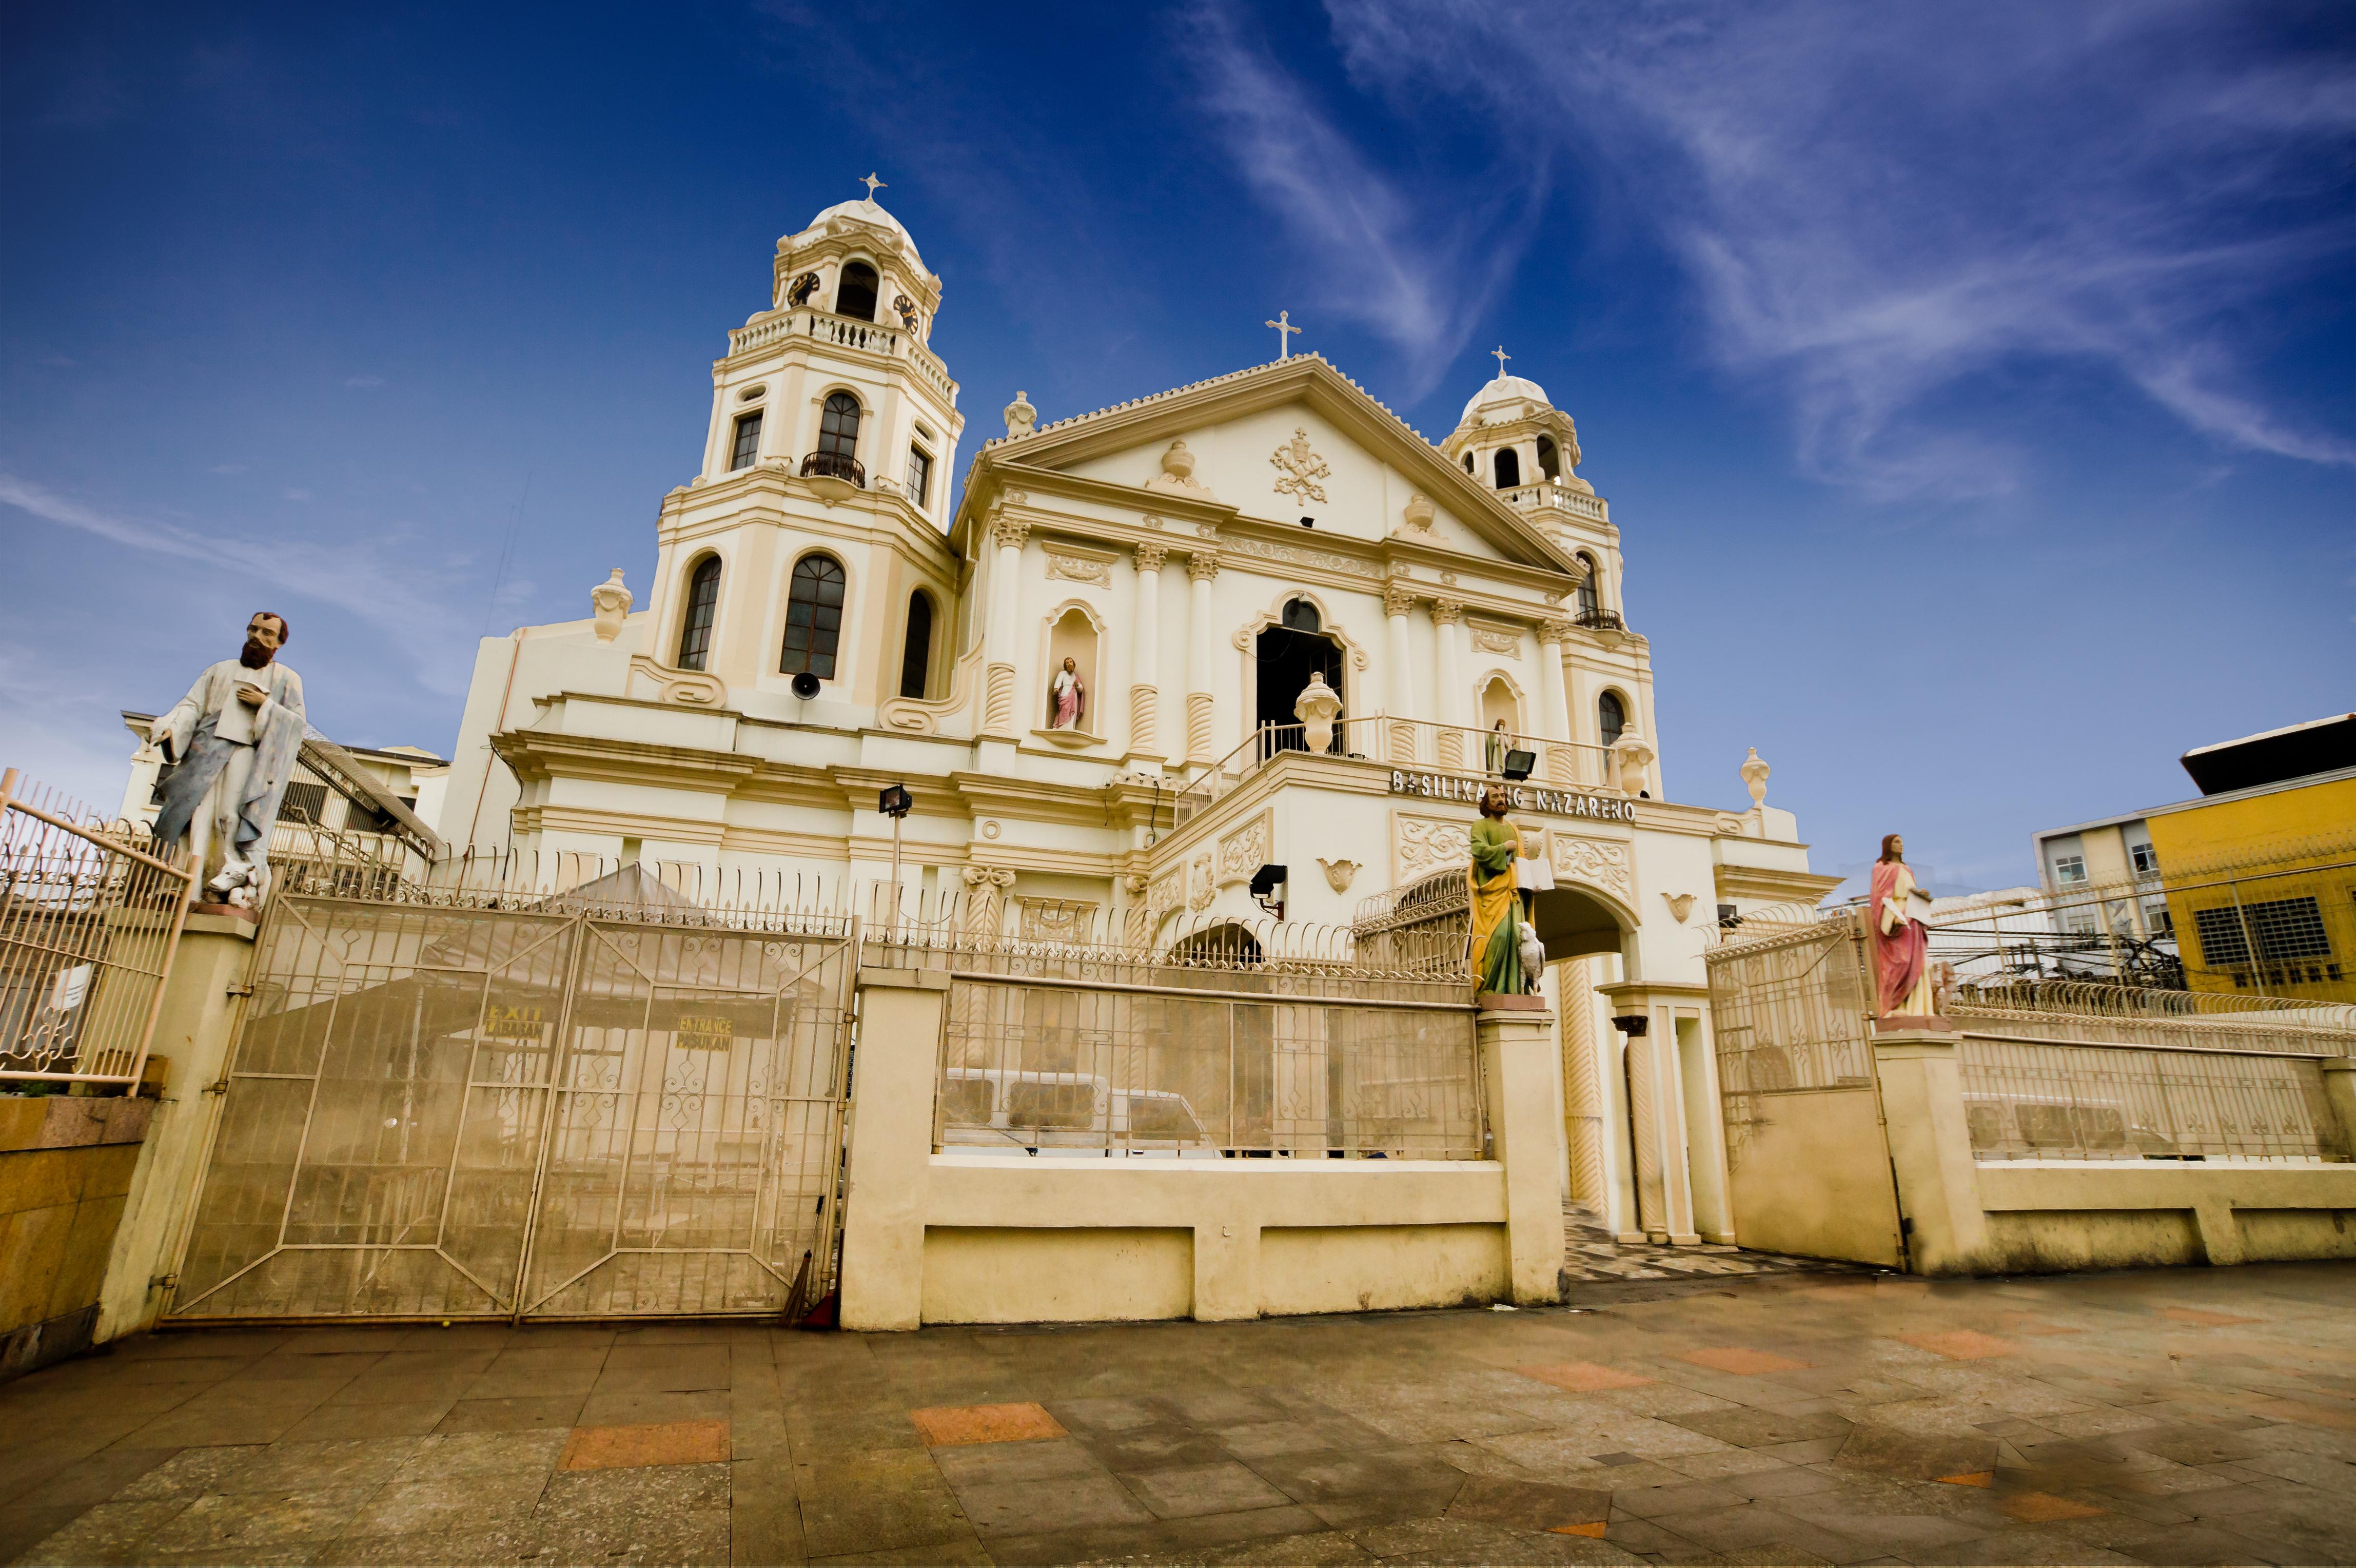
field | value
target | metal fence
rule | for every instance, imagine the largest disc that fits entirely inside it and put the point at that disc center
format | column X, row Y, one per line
column 1789, row 1014
column 1234, row 1040
column 2052, row 1069
column 2027, row 1099
column 478, row 1096
column 2275, row 920
column 90, row 917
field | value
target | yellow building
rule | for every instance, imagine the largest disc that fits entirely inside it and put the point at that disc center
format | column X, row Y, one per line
column 2252, row 885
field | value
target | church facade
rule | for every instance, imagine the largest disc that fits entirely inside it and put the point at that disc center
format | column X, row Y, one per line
column 1295, row 638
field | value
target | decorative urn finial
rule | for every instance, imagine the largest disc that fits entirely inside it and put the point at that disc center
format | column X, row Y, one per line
column 1020, row 415
column 1754, row 778
column 611, row 601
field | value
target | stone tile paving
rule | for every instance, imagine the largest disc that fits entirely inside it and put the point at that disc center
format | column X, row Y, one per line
column 2185, row 1416
column 1591, row 1253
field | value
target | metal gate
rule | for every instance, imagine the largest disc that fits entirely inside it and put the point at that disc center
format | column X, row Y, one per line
column 510, row 1112
column 1806, row 1153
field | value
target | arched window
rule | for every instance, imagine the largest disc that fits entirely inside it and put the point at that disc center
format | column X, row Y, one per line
column 838, row 428
column 1300, row 615
column 1550, row 459
column 1468, row 462
column 854, row 294
column 916, row 651
column 813, row 617
column 1590, row 598
column 1611, row 716
column 1509, row 468
column 702, row 606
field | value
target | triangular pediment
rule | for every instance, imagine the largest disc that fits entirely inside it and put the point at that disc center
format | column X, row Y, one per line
column 1275, row 444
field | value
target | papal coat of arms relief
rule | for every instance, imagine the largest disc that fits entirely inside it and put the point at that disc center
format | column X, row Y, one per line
column 1298, row 470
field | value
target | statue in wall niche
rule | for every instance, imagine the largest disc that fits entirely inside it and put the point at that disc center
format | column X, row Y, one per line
column 1495, row 949
column 1067, row 696
column 231, row 745
column 1894, row 907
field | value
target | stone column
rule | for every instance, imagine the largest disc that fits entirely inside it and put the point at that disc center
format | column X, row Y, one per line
column 1518, row 1057
column 1398, row 600
column 1931, row 1154
column 997, row 637
column 1583, row 1100
column 1145, row 669
column 1203, row 567
column 1448, row 705
column 194, row 1029
column 1644, row 1128
column 1554, row 702
column 2340, row 1091
column 890, row 1135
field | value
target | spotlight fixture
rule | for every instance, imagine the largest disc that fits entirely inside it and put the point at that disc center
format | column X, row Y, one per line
column 1266, row 884
column 1520, row 765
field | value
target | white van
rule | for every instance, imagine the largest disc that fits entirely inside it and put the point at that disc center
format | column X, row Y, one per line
column 1065, row 1113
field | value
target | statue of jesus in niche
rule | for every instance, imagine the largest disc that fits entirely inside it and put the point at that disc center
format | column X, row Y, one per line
column 1068, row 695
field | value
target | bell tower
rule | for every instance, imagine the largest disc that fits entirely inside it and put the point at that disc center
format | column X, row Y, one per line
column 813, row 541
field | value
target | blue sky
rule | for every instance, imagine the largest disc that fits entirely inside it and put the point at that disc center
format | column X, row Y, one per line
column 1971, row 388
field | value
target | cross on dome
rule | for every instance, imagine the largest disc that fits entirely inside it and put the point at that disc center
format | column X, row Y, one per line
column 1499, row 354
column 1284, row 331
column 873, row 185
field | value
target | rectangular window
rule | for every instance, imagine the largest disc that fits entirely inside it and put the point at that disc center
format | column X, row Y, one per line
column 920, row 476
column 748, row 441
column 2070, row 869
column 304, row 803
column 2159, row 921
column 2145, row 858
column 2286, row 928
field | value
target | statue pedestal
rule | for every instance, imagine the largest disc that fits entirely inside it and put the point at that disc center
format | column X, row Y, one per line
column 1898, row 1022
column 1506, row 1001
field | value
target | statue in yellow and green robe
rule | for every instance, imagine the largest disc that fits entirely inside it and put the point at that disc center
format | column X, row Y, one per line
column 1497, row 945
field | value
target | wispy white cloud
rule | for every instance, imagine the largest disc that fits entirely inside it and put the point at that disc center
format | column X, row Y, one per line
column 295, row 495
column 1872, row 212
column 227, row 469
column 410, row 602
column 1416, row 270
column 363, row 380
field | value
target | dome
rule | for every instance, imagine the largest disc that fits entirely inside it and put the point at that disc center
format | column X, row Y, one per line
column 1504, row 389
column 867, row 210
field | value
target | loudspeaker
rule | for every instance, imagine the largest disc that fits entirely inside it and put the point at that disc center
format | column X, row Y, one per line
column 806, row 686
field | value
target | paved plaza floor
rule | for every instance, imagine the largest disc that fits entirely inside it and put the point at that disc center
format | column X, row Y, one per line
column 2189, row 1417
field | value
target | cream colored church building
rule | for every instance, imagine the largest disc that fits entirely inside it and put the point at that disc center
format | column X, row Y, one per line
column 1202, row 555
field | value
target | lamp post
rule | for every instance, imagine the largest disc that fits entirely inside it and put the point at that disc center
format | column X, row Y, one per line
column 895, row 801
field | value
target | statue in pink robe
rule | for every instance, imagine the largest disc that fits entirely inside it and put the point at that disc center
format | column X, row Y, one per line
column 1070, row 696
column 1901, row 947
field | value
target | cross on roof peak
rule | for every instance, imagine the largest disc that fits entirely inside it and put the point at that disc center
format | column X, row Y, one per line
column 1501, row 356
column 1284, row 331
column 873, row 185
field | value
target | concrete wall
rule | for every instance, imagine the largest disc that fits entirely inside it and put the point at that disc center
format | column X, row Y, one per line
column 1960, row 1215
column 66, row 1165
column 985, row 1238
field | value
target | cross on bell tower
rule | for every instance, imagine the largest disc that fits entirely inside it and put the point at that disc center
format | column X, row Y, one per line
column 1499, row 354
column 874, row 185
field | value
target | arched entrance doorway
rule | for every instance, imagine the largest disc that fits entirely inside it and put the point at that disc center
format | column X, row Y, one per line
column 1287, row 654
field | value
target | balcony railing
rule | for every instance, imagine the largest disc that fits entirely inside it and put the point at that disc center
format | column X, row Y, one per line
column 1559, row 497
column 834, row 466
column 846, row 332
column 1461, row 749
column 1599, row 620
